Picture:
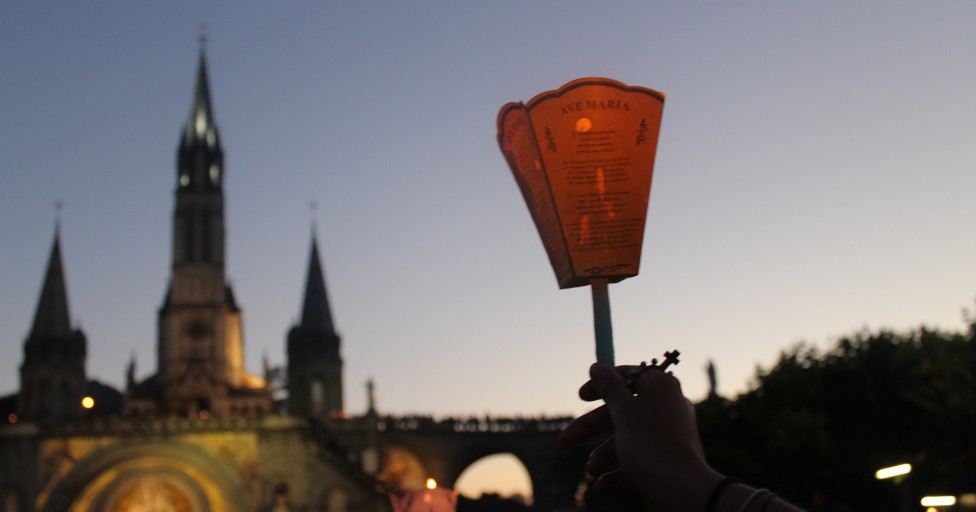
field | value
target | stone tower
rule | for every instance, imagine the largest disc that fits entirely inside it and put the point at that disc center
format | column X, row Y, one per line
column 52, row 376
column 200, row 347
column 314, row 363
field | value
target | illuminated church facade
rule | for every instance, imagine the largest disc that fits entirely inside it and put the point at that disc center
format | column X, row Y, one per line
column 201, row 434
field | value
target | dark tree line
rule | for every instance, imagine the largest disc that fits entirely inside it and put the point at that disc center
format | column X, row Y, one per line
column 831, row 419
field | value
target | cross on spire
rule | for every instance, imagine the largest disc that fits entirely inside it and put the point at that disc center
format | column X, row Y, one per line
column 313, row 205
column 203, row 35
column 58, row 206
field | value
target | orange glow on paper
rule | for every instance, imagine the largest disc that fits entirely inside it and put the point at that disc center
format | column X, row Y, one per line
column 583, row 157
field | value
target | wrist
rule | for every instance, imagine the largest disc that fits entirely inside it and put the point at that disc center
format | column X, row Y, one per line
column 738, row 497
column 685, row 492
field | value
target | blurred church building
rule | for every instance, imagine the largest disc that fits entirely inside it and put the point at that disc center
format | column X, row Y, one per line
column 202, row 433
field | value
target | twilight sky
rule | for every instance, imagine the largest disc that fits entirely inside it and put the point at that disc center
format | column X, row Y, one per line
column 814, row 176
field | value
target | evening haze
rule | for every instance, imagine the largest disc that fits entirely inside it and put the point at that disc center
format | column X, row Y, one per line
column 814, row 176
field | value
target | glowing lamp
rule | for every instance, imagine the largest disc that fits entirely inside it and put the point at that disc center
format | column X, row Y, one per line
column 968, row 500
column 938, row 501
column 88, row 402
column 583, row 157
column 893, row 471
column 430, row 499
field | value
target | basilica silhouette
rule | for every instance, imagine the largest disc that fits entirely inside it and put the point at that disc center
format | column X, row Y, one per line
column 202, row 434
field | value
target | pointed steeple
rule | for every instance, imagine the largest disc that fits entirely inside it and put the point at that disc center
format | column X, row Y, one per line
column 316, row 314
column 314, row 361
column 200, row 342
column 200, row 124
column 52, row 318
column 52, row 376
column 198, row 218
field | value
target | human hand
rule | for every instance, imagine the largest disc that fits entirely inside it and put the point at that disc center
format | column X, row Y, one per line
column 655, row 448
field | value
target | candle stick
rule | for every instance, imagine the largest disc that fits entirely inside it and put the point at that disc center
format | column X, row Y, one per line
column 601, row 321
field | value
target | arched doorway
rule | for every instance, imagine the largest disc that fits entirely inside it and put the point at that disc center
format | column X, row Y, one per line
column 152, row 476
column 502, row 474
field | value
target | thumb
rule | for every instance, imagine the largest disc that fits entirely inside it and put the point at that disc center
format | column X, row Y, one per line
column 609, row 384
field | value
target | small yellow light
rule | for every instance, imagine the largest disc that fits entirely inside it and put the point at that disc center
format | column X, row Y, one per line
column 938, row 501
column 431, row 484
column 88, row 402
column 968, row 500
column 893, row 471
column 201, row 123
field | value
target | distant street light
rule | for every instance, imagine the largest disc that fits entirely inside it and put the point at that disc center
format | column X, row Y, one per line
column 893, row 471
column 431, row 499
column 88, row 402
column 938, row 501
column 968, row 500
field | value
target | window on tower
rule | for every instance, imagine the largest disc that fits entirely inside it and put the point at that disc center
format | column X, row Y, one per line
column 317, row 396
column 188, row 236
column 205, row 235
column 201, row 122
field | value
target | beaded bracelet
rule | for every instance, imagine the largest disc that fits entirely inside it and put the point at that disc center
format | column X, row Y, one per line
column 769, row 499
column 717, row 491
column 752, row 497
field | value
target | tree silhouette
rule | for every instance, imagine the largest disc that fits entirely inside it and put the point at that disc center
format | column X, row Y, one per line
column 874, row 400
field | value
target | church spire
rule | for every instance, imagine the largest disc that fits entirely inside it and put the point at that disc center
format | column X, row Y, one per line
column 316, row 314
column 200, row 124
column 52, row 318
column 314, row 362
column 200, row 342
column 198, row 219
column 52, row 376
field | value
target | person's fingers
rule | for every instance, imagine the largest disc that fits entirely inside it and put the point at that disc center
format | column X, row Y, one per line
column 699, row 449
column 609, row 384
column 591, row 424
column 603, row 458
column 588, row 390
column 654, row 382
column 612, row 481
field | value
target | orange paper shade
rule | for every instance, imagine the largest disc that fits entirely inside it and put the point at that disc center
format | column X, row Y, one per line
column 583, row 157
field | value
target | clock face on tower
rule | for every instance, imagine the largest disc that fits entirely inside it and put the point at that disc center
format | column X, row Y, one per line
column 215, row 174
column 196, row 330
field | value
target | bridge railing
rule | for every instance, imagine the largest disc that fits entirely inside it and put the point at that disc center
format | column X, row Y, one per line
column 167, row 425
column 474, row 424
